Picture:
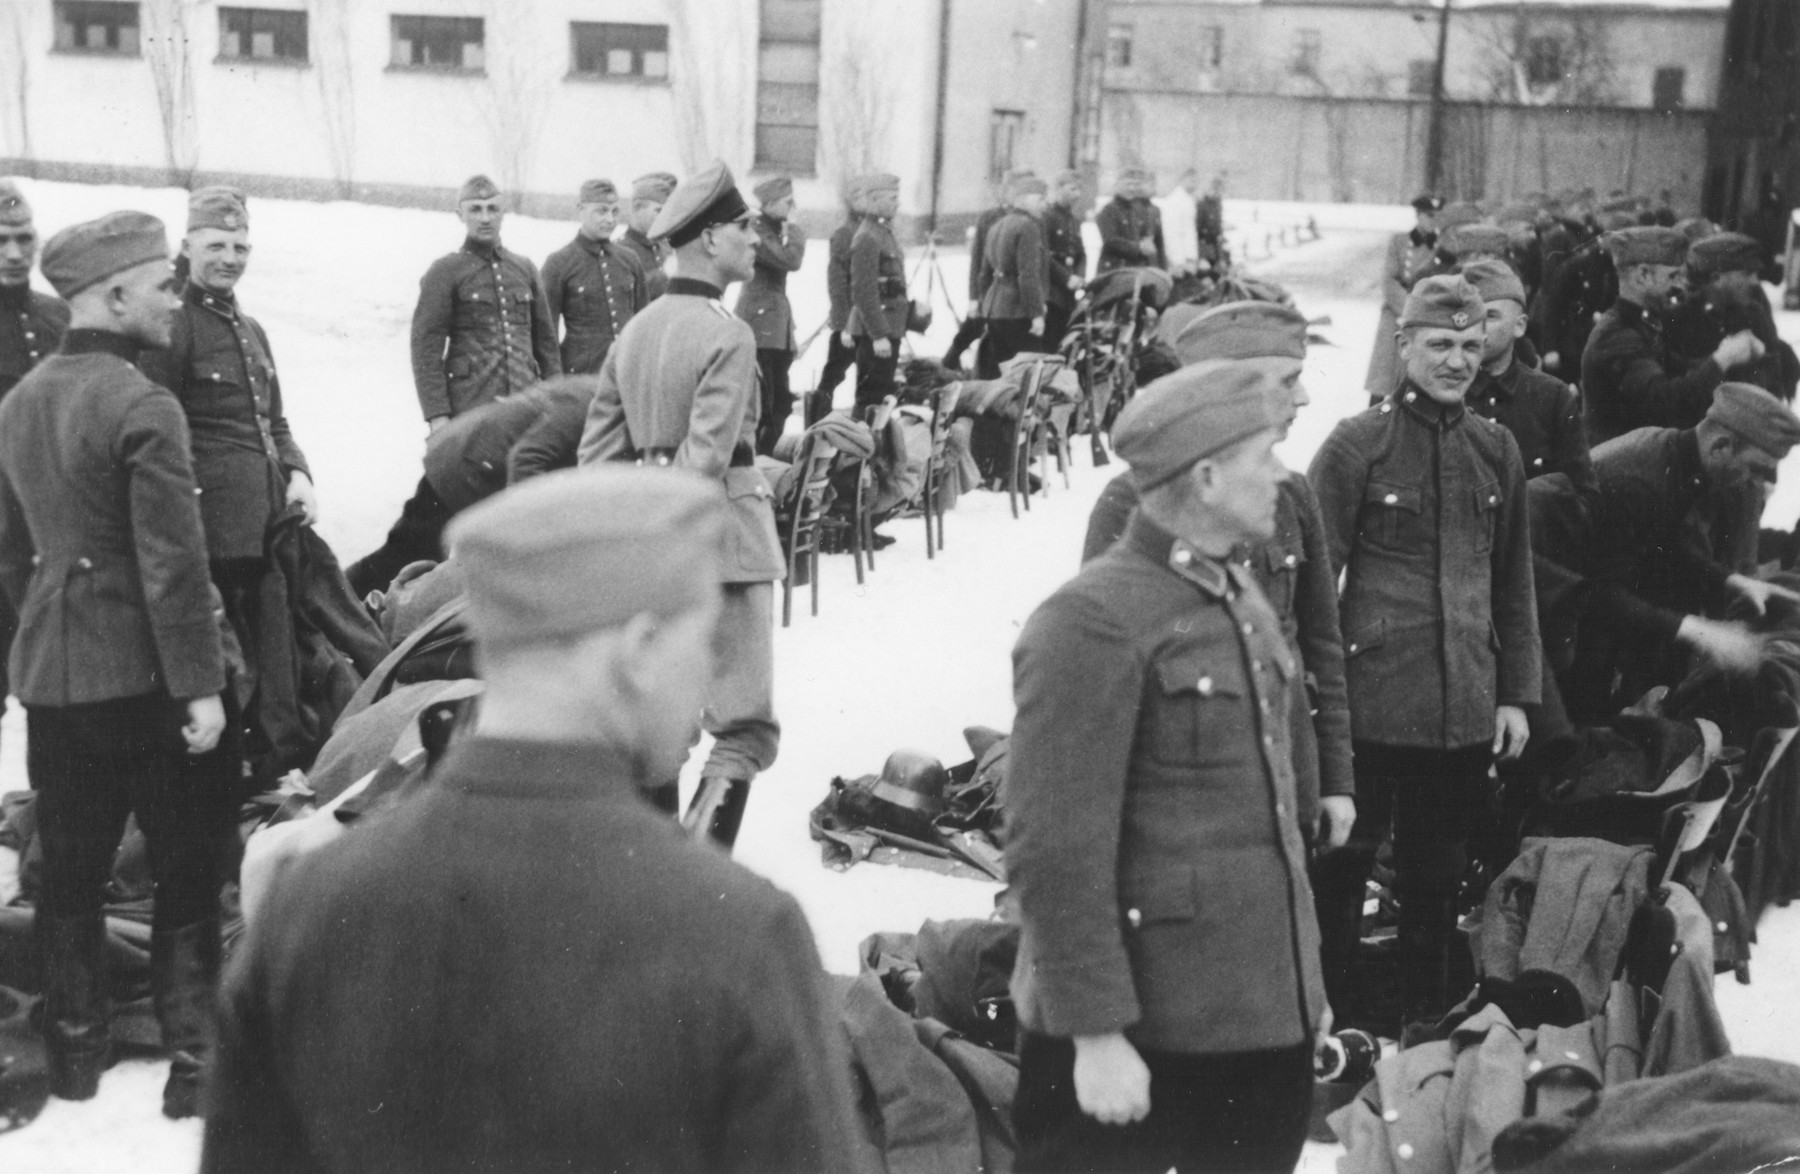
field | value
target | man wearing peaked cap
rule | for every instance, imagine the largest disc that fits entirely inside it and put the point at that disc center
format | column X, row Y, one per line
column 840, row 345
column 1141, row 1046
column 31, row 323
column 482, row 329
column 1424, row 508
column 1541, row 411
column 1131, row 231
column 763, row 303
column 593, row 286
column 118, row 660
column 1724, row 295
column 973, row 326
column 1650, row 579
column 648, row 195
column 1410, row 255
column 1630, row 377
column 591, row 597
column 679, row 389
column 879, row 307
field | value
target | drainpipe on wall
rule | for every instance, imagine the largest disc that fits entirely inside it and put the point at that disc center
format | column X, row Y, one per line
column 937, row 134
column 1434, row 134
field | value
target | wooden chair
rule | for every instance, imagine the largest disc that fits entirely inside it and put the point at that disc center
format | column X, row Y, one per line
column 938, row 467
column 800, row 523
column 1025, row 432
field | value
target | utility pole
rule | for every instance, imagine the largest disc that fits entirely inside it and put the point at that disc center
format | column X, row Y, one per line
column 1434, row 135
column 937, row 134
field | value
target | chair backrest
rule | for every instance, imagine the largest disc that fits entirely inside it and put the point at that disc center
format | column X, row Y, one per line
column 943, row 407
column 811, row 487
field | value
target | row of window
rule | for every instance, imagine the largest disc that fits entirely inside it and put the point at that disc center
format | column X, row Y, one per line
column 452, row 43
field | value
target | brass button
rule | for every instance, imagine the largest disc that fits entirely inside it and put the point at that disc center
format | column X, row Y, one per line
column 1290, row 560
column 1281, row 810
column 1535, row 1066
column 1205, row 686
column 86, row 564
column 1183, row 557
column 1390, row 1116
column 1493, row 498
column 1392, row 499
column 1405, row 1151
column 1249, row 628
column 1572, row 1055
column 1135, row 917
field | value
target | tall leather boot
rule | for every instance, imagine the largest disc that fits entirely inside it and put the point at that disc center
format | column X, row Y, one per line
column 1424, row 955
column 728, row 816
column 76, row 1041
column 184, row 965
column 1338, row 885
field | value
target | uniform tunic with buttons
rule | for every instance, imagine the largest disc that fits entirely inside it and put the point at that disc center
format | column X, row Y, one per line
column 1425, row 513
column 878, row 302
column 1018, row 268
column 1067, row 253
column 218, row 364
column 482, row 330
column 1123, row 225
column 1151, row 837
column 650, row 257
column 593, row 288
column 763, row 300
column 1630, row 378
column 1544, row 415
column 31, row 328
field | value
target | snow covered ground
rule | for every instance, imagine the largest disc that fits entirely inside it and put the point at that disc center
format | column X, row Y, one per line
column 908, row 660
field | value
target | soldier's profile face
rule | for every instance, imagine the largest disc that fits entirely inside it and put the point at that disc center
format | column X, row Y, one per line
column 1505, row 325
column 217, row 257
column 143, row 302
column 779, row 209
column 1443, row 362
column 644, row 213
column 599, row 218
column 1240, row 487
column 18, row 250
column 884, row 203
column 481, row 219
column 734, row 248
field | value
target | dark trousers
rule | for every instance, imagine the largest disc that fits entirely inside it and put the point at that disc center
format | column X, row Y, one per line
column 1006, row 337
column 1236, row 1111
column 875, row 375
column 967, row 335
column 838, row 358
column 1056, row 324
column 776, row 395
column 94, row 765
column 419, row 534
column 1431, row 800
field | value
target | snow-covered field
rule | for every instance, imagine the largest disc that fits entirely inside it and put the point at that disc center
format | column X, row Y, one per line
column 908, row 660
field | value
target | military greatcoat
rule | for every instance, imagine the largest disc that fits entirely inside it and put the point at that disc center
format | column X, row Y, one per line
column 31, row 327
column 593, row 287
column 482, row 330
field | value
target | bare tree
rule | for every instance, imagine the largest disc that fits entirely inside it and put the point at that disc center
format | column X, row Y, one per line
column 336, row 76
column 15, row 66
column 167, row 46
column 855, row 90
column 521, row 71
column 1537, row 59
column 713, row 80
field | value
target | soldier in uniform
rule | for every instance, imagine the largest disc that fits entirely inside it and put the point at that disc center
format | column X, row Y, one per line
column 1018, row 272
column 119, row 658
column 1130, row 225
column 974, row 326
column 840, row 346
column 31, row 323
column 1425, row 516
column 680, row 389
column 523, row 967
column 1629, row 378
column 763, row 303
column 1408, row 254
column 1579, row 286
column 648, row 195
column 220, row 366
column 1541, row 411
column 1151, row 838
column 1723, row 295
column 482, row 328
column 1068, row 257
column 878, row 301
column 592, row 285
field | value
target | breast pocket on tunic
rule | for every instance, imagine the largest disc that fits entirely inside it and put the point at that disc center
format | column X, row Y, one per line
column 1390, row 515
column 1196, row 691
column 1280, row 576
column 1487, row 515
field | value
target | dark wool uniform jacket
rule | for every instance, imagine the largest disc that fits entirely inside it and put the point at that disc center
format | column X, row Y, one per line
column 482, row 330
column 593, row 288
column 837, row 273
column 1294, row 571
column 681, row 384
column 525, row 968
column 1068, row 255
column 1123, row 224
column 878, row 302
column 1150, row 796
column 219, row 365
column 469, row 458
column 649, row 256
column 1018, row 268
column 763, row 300
column 980, row 272
column 31, row 328
column 1631, row 379
column 1425, row 514
column 101, row 552
column 1544, row 416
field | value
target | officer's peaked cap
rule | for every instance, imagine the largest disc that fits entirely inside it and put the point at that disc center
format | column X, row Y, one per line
column 707, row 198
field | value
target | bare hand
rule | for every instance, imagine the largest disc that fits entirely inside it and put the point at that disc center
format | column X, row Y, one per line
column 1758, row 593
column 1037, row 326
column 883, row 348
column 1552, row 361
column 1737, row 349
column 205, row 724
column 1511, row 732
column 434, row 423
column 1076, row 282
column 300, row 492
column 845, row 337
column 1147, row 246
column 1730, row 648
column 1337, row 815
column 1112, row 1083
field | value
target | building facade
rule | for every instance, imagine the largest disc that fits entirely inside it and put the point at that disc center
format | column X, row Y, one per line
column 400, row 101
column 1753, row 164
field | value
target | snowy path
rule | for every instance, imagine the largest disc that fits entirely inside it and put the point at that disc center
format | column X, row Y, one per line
column 909, row 660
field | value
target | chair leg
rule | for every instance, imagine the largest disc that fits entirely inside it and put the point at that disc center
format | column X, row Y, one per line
column 866, row 521
column 856, row 548
column 1012, row 476
column 930, row 546
column 787, row 596
column 813, row 559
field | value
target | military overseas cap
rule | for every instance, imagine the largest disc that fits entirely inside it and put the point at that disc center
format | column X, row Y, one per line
column 1069, row 176
column 219, row 207
column 878, row 182
column 778, row 187
column 655, row 187
column 1725, row 252
column 1463, row 239
column 1027, row 185
column 14, row 209
column 1757, row 416
column 84, row 255
column 1646, row 245
column 1495, row 281
column 1518, row 213
column 477, row 187
column 597, row 191
column 1428, row 203
column 1133, row 179
column 1187, row 416
column 1447, row 301
column 1455, row 214
column 1243, row 330
column 708, row 198
column 1696, row 228
column 581, row 550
